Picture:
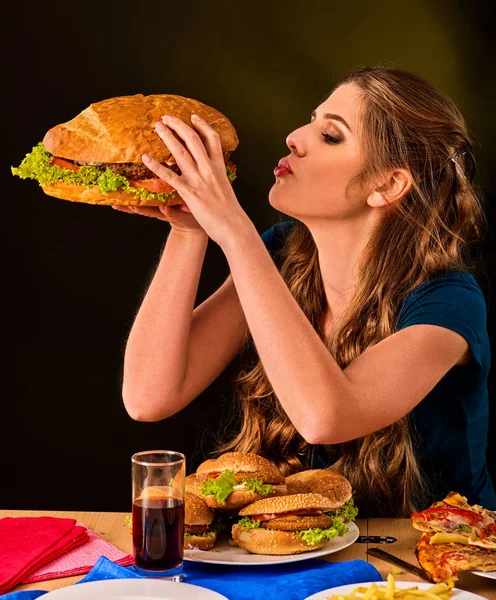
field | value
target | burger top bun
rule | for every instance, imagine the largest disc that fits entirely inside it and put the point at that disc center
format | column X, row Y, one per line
column 193, row 485
column 196, row 512
column 121, row 129
column 241, row 462
column 330, row 484
column 282, row 504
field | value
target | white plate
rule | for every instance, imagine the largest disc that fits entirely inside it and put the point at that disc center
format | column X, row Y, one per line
column 488, row 574
column 346, row 589
column 134, row 589
column 223, row 553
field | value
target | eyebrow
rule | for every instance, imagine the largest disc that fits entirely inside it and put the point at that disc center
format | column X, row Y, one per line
column 333, row 117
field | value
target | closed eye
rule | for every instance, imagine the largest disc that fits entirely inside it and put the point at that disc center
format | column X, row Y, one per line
column 329, row 139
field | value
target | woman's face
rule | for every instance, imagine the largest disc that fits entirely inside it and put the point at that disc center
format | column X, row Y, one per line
column 325, row 157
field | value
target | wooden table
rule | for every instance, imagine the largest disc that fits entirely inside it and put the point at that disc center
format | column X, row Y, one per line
column 113, row 528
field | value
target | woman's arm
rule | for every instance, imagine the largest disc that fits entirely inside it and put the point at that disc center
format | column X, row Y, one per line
column 325, row 403
column 173, row 353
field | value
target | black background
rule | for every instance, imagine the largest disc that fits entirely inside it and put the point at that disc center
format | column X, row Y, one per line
column 75, row 274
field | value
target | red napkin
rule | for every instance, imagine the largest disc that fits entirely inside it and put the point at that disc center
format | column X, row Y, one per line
column 26, row 543
column 80, row 560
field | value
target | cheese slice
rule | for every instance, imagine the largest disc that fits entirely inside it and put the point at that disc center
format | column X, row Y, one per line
column 448, row 538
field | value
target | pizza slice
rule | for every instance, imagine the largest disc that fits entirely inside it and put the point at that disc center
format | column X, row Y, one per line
column 443, row 561
column 474, row 525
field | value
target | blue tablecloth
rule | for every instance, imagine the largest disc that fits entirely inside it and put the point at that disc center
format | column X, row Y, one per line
column 291, row 581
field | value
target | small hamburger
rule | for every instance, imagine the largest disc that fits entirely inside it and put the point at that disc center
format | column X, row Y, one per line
column 96, row 157
column 193, row 485
column 287, row 525
column 236, row 479
column 198, row 518
column 330, row 484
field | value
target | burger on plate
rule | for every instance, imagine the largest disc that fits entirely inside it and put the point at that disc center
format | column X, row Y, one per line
column 287, row 524
column 96, row 157
column 198, row 518
column 193, row 485
column 331, row 484
column 236, row 479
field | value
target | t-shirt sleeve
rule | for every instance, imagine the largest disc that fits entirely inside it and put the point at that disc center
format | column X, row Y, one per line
column 454, row 301
column 273, row 238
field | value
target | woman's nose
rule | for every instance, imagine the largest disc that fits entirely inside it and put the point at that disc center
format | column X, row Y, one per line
column 295, row 144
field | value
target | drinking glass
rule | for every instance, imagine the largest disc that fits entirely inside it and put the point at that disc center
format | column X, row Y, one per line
column 158, row 513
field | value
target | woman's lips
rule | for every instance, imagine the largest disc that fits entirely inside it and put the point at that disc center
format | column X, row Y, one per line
column 282, row 168
column 280, row 171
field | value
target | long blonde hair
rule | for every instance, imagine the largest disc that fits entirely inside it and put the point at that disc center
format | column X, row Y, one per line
column 407, row 123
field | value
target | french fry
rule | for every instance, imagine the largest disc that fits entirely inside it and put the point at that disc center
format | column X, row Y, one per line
column 438, row 591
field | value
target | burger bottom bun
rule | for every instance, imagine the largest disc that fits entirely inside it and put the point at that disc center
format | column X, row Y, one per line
column 240, row 498
column 199, row 542
column 270, row 541
column 92, row 195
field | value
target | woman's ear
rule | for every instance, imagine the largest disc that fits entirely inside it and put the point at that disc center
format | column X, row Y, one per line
column 398, row 185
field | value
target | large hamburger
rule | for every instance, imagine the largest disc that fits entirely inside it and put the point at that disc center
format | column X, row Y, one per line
column 197, row 524
column 331, row 484
column 96, row 157
column 236, row 479
column 288, row 524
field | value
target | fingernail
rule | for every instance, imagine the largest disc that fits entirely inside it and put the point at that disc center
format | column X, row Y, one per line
column 146, row 157
column 195, row 117
column 166, row 118
column 160, row 126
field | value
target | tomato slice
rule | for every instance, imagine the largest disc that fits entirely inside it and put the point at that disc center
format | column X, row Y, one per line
column 433, row 513
column 313, row 512
column 65, row 164
column 156, row 185
column 213, row 475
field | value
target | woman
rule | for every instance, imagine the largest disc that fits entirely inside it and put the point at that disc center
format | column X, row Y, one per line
column 371, row 346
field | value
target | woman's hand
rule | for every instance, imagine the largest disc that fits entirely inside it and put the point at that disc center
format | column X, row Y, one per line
column 178, row 216
column 203, row 183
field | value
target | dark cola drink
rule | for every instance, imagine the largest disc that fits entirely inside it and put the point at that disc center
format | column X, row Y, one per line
column 158, row 533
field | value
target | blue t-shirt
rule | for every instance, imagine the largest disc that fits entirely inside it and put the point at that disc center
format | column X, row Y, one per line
column 450, row 424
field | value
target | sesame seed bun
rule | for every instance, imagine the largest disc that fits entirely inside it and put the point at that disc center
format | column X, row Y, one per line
column 193, row 484
column 282, row 504
column 196, row 512
column 327, row 482
column 200, row 542
column 269, row 541
column 242, row 462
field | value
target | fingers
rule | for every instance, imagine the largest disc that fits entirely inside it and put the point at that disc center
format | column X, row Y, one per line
column 211, row 139
column 163, row 172
column 156, row 212
column 189, row 136
column 184, row 157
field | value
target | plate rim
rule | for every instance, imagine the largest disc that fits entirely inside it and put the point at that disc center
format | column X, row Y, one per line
column 486, row 574
column 139, row 580
column 422, row 585
column 281, row 557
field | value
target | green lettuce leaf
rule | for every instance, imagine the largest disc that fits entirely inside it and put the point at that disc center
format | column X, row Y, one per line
column 248, row 523
column 36, row 165
column 347, row 512
column 220, row 487
column 208, row 534
column 258, row 487
column 464, row 527
column 317, row 535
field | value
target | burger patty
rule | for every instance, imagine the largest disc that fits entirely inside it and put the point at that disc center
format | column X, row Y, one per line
column 195, row 529
column 132, row 171
column 295, row 523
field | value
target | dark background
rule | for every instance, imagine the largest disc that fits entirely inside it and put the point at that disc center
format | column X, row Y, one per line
column 75, row 274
